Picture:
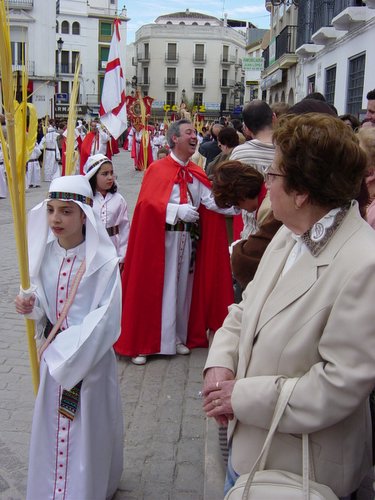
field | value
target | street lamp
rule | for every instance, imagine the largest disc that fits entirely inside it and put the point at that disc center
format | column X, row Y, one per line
column 60, row 43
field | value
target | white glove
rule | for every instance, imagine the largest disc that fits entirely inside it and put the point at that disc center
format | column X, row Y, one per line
column 187, row 213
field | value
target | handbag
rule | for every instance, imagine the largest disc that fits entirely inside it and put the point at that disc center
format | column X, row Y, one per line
column 262, row 484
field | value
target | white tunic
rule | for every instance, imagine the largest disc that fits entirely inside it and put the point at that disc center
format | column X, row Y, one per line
column 178, row 282
column 79, row 459
column 51, row 154
column 33, row 168
column 113, row 211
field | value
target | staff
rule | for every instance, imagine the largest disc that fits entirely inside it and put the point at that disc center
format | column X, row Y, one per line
column 16, row 152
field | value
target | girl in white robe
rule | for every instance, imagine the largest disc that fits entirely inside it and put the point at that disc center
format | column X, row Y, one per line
column 76, row 449
column 109, row 205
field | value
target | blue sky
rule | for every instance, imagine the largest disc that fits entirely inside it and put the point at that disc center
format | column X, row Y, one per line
column 146, row 11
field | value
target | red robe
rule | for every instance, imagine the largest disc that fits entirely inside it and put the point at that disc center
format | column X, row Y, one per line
column 143, row 276
column 86, row 149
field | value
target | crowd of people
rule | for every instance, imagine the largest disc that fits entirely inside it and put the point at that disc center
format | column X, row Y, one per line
column 272, row 218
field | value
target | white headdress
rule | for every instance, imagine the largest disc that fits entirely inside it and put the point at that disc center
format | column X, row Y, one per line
column 76, row 188
column 94, row 162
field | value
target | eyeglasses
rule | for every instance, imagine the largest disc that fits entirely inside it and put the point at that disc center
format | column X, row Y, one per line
column 268, row 176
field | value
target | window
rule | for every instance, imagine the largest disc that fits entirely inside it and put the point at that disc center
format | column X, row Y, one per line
column 171, row 76
column 65, row 27
column 198, row 76
column 76, row 28
column 225, row 53
column 224, row 77
column 355, row 84
column 105, row 29
column 57, row 26
column 18, row 52
column 64, row 61
column 172, row 51
column 147, row 50
column 75, row 56
column 198, row 99
column 145, row 76
column 103, row 56
column 224, row 98
column 310, row 84
column 199, row 52
column 171, row 98
column 65, row 88
column 329, row 93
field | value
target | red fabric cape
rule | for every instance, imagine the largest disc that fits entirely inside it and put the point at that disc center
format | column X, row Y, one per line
column 86, row 150
column 143, row 275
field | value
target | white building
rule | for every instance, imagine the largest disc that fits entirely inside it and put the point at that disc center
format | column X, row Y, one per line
column 340, row 61
column 191, row 57
column 33, row 38
column 84, row 29
column 321, row 46
column 48, row 37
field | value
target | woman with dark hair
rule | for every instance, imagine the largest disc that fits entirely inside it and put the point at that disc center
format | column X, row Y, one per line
column 307, row 314
column 243, row 186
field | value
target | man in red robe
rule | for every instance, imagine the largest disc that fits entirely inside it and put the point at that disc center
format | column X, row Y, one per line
column 177, row 280
column 96, row 141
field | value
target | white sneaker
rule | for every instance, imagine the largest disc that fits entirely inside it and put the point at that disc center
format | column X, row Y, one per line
column 182, row 349
column 139, row 360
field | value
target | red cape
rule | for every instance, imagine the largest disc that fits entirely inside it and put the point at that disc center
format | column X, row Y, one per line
column 86, row 150
column 143, row 276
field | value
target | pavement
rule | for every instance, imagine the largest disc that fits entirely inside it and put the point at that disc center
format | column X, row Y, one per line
column 170, row 450
column 164, row 444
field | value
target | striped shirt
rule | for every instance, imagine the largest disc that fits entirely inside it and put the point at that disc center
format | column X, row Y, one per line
column 255, row 153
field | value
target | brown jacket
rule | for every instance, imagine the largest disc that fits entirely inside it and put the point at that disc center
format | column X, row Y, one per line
column 246, row 254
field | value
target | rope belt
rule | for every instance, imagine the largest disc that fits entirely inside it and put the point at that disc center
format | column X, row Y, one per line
column 113, row 230
column 69, row 399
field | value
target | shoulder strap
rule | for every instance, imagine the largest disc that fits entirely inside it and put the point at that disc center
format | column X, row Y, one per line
column 64, row 312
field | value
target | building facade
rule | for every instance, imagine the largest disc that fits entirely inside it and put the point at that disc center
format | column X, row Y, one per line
column 335, row 55
column 48, row 37
column 193, row 58
column 85, row 30
column 32, row 33
column 320, row 46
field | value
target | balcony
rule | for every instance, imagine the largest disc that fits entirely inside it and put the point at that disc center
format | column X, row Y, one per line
column 171, row 58
column 199, row 83
column 286, row 47
column 238, row 63
column 199, row 59
column 227, row 60
column 170, row 82
column 67, row 69
column 226, row 84
column 325, row 35
column 143, row 58
column 30, row 67
column 20, row 4
column 349, row 18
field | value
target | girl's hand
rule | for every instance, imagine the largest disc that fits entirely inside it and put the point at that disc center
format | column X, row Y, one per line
column 24, row 306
